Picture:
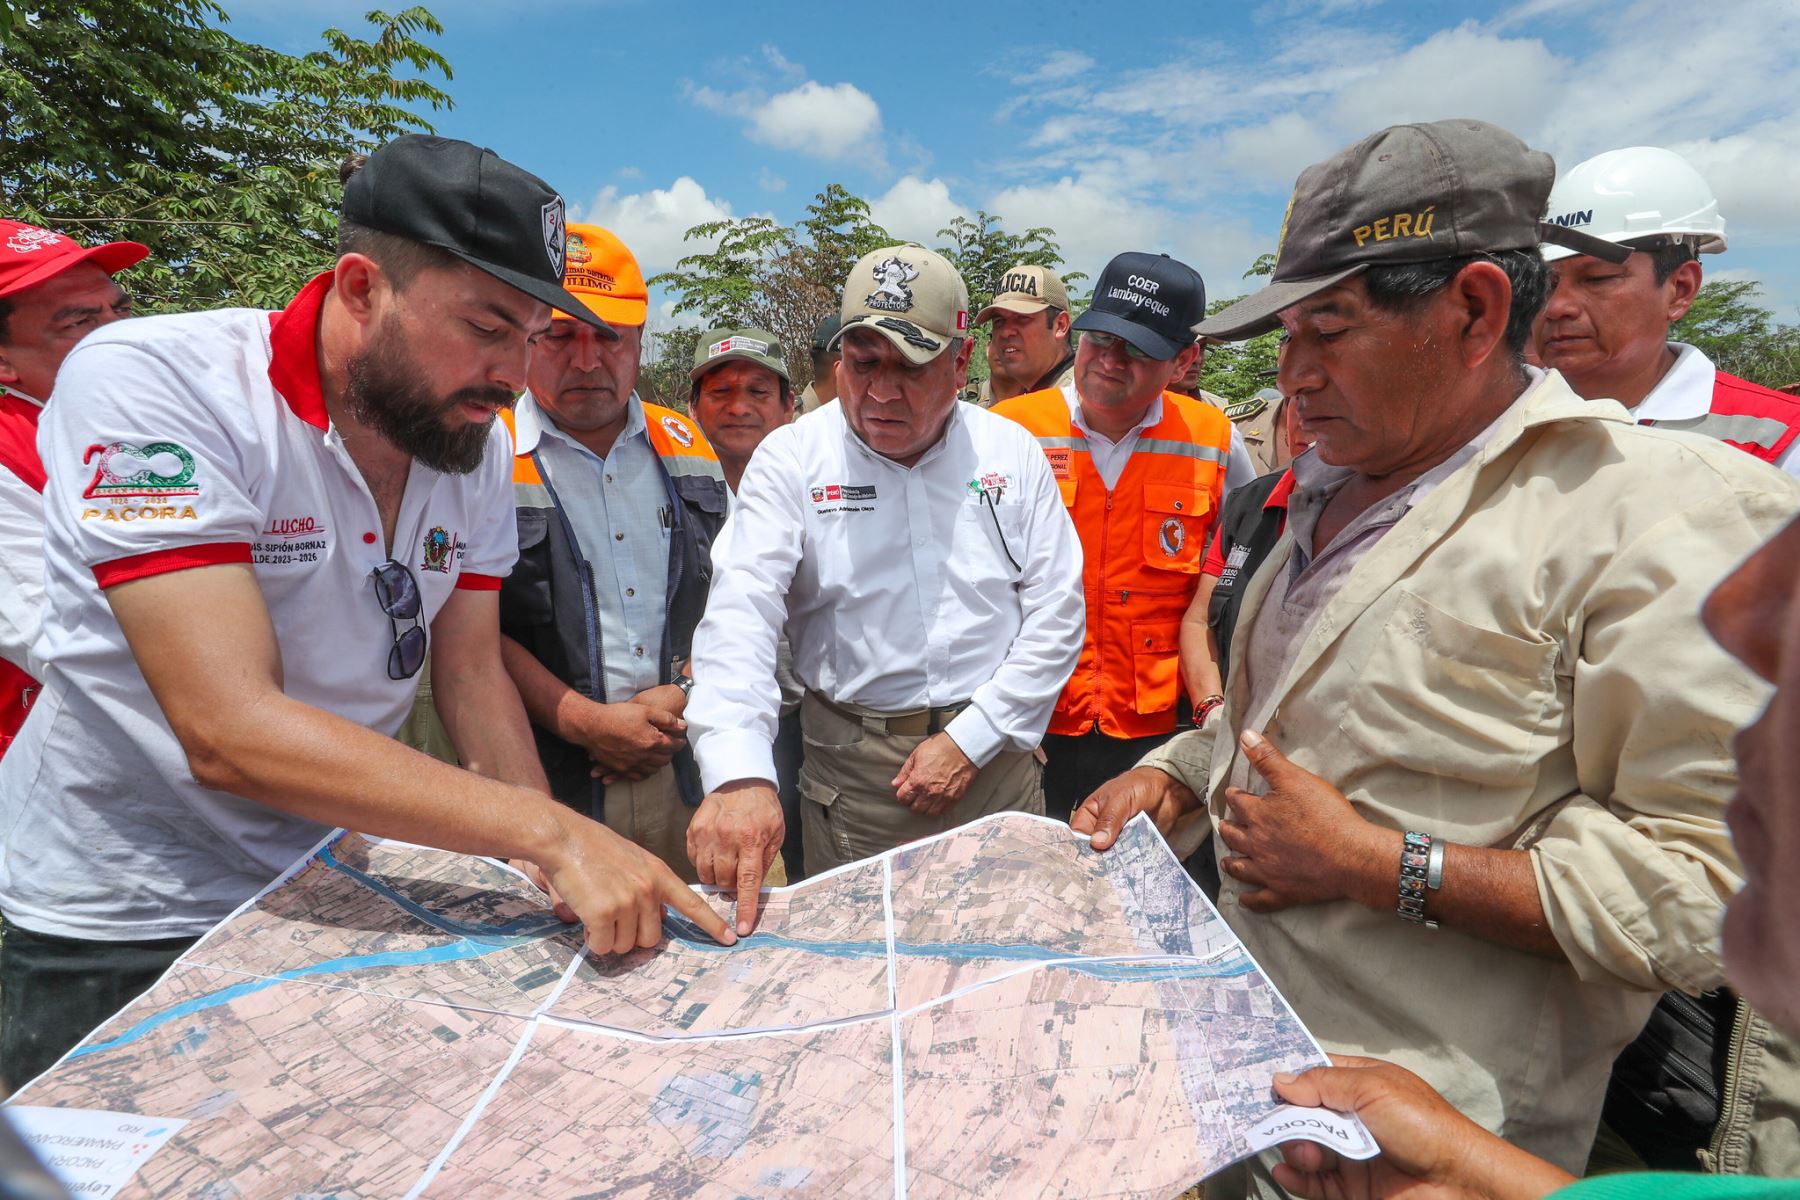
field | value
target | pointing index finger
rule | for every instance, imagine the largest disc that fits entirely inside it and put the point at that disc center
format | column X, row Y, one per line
column 688, row 903
column 749, row 889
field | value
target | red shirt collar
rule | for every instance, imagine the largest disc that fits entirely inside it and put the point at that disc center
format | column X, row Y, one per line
column 294, row 352
column 1279, row 497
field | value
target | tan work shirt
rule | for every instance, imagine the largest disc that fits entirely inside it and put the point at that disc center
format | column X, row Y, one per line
column 1518, row 663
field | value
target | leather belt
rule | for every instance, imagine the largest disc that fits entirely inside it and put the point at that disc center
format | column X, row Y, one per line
column 920, row 722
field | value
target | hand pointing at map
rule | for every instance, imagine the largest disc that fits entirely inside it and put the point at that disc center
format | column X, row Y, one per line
column 618, row 890
column 733, row 840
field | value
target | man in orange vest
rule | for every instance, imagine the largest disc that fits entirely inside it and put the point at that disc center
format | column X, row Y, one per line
column 1606, row 327
column 52, row 293
column 1142, row 471
column 618, row 504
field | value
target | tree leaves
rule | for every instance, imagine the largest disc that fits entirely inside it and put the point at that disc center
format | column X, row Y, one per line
column 145, row 120
column 1739, row 335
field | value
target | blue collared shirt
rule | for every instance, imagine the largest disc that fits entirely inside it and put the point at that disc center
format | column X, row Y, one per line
column 620, row 511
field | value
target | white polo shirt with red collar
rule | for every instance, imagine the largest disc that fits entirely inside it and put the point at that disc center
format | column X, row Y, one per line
column 178, row 442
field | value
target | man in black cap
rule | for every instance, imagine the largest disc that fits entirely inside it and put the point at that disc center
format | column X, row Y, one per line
column 1141, row 470
column 1469, row 778
column 258, row 525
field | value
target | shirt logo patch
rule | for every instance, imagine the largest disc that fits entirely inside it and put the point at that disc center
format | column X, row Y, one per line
column 991, row 484
column 1172, row 536
column 676, row 429
column 842, row 497
column 156, row 471
column 440, row 549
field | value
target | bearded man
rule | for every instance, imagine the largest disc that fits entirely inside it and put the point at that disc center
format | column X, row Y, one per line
column 258, row 525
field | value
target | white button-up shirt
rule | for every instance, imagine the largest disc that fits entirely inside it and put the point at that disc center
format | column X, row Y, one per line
column 895, row 585
column 1109, row 457
column 619, row 509
column 1686, row 392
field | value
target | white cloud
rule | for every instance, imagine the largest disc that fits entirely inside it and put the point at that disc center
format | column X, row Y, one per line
column 1059, row 64
column 652, row 223
column 1093, row 221
column 1461, row 72
column 769, row 181
column 914, row 209
column 782, row 64
column 826, row 122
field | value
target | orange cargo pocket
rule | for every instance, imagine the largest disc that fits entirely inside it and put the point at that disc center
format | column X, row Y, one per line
column 1156, row 662
column 1175, row 523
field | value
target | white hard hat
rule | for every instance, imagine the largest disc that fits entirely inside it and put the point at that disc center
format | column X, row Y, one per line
column 1638, row 192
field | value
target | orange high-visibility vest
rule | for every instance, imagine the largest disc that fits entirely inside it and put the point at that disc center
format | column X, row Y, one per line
column 1143, row 543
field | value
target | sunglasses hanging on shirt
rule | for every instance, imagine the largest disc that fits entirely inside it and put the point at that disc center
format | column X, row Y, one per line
column 398, row 594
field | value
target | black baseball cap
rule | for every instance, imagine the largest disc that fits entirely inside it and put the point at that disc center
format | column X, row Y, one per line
column 471, row 202
column 1150, row 300
column 826, row 331
column 1410, row 193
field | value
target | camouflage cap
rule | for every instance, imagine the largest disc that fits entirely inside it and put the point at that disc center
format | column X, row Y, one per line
column 1410, row 193
column 717, row 347
column 911, row 296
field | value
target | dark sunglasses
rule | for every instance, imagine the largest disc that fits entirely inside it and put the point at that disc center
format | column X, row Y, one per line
column 398, row 594
column 1106, row 341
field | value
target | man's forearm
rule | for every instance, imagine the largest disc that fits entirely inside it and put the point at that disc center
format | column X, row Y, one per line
column 549, row 702
column 481, row 710
column 336, row 772
column 1491, row 894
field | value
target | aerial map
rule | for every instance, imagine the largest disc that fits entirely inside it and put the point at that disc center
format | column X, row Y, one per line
column 996, row 1011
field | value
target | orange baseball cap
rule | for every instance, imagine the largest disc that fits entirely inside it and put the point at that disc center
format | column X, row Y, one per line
column 601, row 273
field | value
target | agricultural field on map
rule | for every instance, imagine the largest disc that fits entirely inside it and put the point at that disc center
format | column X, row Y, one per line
column 997, row 1011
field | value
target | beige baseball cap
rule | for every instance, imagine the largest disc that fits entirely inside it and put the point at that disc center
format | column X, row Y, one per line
column 912, row 296
column 1027, row 288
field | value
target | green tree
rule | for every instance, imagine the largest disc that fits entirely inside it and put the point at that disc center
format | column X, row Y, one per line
column 1740, row 335
column 982, row 251
column 785, row 279
column 144, row 119
column 1239, row 370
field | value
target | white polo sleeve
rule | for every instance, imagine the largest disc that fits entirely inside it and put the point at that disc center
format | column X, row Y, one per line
column 1012, row 709
column 493, row 538
column 144, row 476
column 736, row 704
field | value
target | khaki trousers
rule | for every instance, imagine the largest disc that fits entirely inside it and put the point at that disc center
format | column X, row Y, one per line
column 848, row 809
column 650, row 813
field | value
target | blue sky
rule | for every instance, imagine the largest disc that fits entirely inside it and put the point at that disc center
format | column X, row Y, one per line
column 1176, row 127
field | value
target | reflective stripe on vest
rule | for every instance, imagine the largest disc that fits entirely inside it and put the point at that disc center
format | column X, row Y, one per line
column 1761, row 432
column 1755, row 419
column 1141, row 542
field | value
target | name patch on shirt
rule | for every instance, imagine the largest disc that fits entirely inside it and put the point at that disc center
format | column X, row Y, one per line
column 1234, row 563
column 1061, row 462
column 290, row 540
column 842, row 497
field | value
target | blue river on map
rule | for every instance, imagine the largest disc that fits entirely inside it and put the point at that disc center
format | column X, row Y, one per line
column 474, row 941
